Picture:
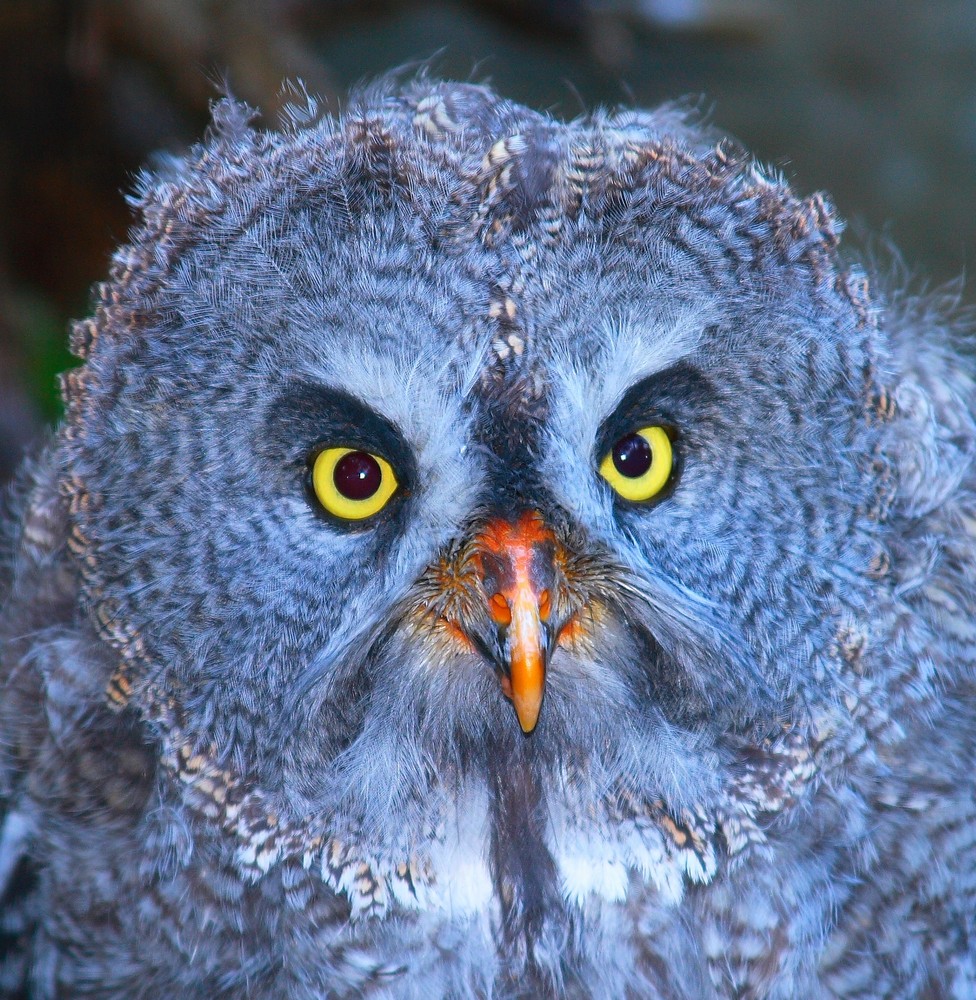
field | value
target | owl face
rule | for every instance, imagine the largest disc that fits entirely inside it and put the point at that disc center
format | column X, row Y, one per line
column 433, row 465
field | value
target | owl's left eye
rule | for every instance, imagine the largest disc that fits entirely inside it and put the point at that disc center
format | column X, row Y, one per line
column 639, row 465
column 352, row 485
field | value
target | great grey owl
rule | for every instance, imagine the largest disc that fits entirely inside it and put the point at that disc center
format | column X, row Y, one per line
column 488, row 556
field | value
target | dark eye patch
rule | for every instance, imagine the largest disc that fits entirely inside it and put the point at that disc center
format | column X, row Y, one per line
column 675, row 398
column 307, row 417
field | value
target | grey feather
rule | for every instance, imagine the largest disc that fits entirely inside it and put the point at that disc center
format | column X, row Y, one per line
column 249, row 749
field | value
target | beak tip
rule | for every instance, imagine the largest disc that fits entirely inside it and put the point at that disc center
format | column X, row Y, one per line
column 528, row 714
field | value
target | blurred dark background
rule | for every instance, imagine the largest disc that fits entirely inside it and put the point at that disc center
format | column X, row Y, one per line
column 874, row 102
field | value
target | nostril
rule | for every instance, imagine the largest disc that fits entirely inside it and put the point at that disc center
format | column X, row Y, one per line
column 545, row 606
column 498, row 608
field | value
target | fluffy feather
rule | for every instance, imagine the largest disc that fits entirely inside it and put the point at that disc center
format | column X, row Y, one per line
column 248, row 750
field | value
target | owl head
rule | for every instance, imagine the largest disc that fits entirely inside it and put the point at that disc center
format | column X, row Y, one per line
column 443, row 466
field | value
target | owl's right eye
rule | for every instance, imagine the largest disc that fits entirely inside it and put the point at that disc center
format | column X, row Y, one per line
column 639, row 465
column 352, row 485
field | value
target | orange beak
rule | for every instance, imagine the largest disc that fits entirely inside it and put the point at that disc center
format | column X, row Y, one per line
column 515, row 562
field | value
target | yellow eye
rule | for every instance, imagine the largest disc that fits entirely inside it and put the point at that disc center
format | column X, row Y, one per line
column 639, row 465
column 352, row 484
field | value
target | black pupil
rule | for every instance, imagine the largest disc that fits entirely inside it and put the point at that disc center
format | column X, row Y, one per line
column 632, row 456
column 357, row 476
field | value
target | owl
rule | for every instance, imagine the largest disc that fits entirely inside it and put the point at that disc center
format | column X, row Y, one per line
column 486, row 556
